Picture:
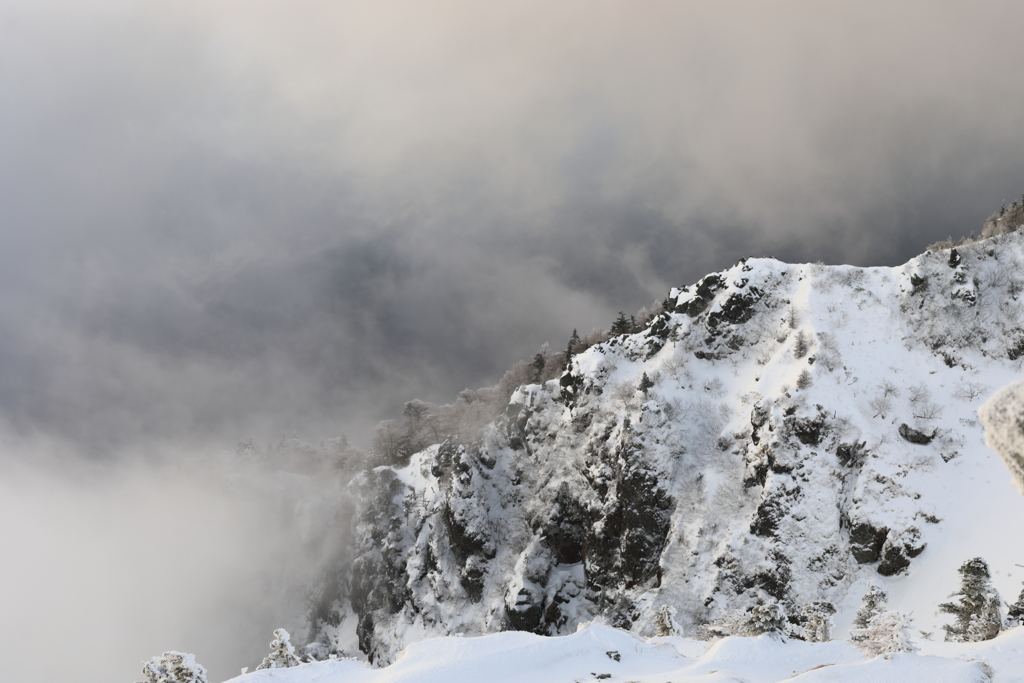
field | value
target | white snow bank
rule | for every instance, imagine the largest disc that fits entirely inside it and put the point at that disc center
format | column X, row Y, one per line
column 595, row 650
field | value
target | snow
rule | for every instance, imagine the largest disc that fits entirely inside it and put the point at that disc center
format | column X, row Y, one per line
column 770, row 487
column 516, row 657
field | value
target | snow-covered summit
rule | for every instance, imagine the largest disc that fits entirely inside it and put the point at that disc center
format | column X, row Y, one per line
column 778, row 432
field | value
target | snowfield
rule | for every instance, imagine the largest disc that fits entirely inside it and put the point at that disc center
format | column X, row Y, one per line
column 601, row 653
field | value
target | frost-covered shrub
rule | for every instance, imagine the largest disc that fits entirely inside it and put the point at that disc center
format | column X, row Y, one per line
column 1007, row 220
column 282, row 652
column 977, row 611
column 919, row 393
column 767, row 617
column 818, row 620
column 927, row 410
column 968, row 391
column 880, row 405
column 173, row 667
column 886, row 633
column 950, row 243
column 733, row 623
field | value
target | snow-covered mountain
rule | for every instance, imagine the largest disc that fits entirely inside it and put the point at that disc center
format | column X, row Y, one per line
column 777, row 432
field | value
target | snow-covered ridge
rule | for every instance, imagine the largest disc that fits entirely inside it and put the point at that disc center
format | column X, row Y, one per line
column 780, row 432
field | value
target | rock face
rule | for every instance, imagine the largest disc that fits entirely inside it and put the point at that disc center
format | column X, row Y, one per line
column 791, row 417
column 915, row 435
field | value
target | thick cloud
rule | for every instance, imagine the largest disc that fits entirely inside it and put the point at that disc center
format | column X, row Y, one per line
column 238, row 219
column 108, row 565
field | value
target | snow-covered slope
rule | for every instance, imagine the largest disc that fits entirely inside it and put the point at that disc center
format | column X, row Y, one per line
column 599, row 653
column 779, row 431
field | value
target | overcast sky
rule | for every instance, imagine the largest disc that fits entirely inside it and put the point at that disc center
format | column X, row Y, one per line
column 242, row 218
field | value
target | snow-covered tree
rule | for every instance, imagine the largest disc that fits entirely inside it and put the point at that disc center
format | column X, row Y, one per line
column 818, row 620
column 664, row 624
column 989, row 623
column 1016, row 614
column 766, row 617
column 282, row 652
column 174, row 667
column 977, row 611
column 571, row 349
column 887, row 633
column 871, row 606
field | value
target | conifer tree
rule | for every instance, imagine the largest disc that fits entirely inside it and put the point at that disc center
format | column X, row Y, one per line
column 977, row 610
column 871, row 606
column 766, row 617
column 801, row 346
column 282, row 652
column 989, row 623
column 574, row 341
column 1016, row 614
column 645, row 383
column 622, row 325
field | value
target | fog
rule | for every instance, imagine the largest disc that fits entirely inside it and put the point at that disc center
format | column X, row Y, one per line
column 246, row 219
column 106, row 565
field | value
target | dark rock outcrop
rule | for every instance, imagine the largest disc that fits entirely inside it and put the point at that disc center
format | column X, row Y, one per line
column 915, row 436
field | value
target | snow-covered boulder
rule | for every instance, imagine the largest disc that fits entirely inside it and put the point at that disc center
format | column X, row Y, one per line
column 1003, row 417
